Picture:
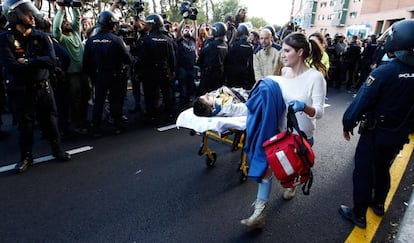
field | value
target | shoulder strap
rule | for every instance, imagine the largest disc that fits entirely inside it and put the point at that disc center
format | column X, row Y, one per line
column 292, row 122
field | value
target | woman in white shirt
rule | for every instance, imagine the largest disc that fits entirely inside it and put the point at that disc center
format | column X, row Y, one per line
column 305, row 89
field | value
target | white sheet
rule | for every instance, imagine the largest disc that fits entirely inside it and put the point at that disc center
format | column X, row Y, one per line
column 187, row 119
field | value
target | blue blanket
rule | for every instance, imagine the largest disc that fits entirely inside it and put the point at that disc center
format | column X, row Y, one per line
column 265, row 108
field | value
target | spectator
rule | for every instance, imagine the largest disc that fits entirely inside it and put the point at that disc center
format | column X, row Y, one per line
column 186, row 59
column 76, row 83
column 266, row 57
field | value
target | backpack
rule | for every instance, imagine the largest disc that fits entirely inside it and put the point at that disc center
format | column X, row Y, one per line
column 291, row 156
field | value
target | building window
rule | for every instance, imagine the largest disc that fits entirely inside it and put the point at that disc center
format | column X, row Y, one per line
column 357, row 1
column 353, row 15
column 332, row 3
column 323, row 4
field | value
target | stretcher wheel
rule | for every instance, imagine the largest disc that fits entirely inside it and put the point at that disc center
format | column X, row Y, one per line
column 211, row 160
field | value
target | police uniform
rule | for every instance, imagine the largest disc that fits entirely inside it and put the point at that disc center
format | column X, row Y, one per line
column 384, row 108
column 158, row 65
column 104, row 57
column 239, row 65
column 29, row 85
column 211, row 61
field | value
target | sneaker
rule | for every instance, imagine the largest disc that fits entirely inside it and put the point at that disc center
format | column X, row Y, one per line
column 25, row 163
column 289, row 193
column 348, row 214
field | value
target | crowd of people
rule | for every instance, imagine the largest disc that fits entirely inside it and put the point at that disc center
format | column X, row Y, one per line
column 230, row 53
column 52, row 70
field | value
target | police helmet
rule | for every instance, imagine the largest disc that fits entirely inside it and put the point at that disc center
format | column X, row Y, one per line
column 400, row 40
column 219, row 29
column 14, row 10
column 106, row 20
column 242, row 32
column 156, row 22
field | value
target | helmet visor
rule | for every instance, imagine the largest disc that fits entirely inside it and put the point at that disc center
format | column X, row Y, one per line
column 24, row 7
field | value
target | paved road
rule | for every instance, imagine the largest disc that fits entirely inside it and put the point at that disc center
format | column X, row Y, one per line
column 151, row 186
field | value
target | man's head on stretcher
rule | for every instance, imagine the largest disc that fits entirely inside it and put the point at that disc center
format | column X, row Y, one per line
column 222, row 102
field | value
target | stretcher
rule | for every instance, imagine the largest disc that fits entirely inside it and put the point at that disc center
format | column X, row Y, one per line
column 229, row 130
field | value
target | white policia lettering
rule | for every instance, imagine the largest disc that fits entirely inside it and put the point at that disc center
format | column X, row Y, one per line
column 102, row 41
column 406, row 75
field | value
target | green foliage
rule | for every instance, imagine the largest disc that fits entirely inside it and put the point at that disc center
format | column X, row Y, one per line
column 225, row 8
column 257, row 22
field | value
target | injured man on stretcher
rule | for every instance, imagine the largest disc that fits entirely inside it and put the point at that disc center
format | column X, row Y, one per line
column 224, row 102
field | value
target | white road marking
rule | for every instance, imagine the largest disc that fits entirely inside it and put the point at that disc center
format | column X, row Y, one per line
column 165, row 128
column 47, row 158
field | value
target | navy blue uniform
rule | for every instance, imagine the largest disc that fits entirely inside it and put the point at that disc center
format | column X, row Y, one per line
column 29, row 83
column 384, row 105
column 239, row 65
column 158, row 65
column 211, row 62
column 103, row 60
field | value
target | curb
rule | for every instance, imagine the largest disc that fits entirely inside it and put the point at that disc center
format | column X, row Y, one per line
column 406, row 231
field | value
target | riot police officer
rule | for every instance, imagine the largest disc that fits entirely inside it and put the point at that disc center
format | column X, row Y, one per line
column 239, row 61
column 211, row 60
column 158, row 68
column 27, row 55
column 103, row 60
column 385, row 121
column 3, row 21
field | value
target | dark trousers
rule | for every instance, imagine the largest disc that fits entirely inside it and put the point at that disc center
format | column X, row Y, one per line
column 107, row 85
column 371, row 176
column 186, row 84
column 2, row 98
column 210, row 80
column 152, row 84
column 78, row 94
column 35, row 103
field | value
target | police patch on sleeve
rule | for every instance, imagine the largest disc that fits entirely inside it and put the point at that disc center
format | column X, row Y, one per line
column 370, row 80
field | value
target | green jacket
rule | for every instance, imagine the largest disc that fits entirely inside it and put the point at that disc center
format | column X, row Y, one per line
column 73, row 42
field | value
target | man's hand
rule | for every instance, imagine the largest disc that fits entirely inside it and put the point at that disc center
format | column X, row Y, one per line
column 348, row 134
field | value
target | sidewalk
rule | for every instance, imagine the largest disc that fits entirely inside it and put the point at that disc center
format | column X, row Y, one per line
column 406, row 231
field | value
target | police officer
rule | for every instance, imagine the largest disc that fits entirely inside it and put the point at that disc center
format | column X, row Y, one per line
column 211, row 60
column 3, row 21
column 158, row 68
column 27, row 55
column 239, row 61
column 103, row 60
column 385, row 121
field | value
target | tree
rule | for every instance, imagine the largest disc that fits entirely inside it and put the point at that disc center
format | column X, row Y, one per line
column 224, row 8
column 257, row 22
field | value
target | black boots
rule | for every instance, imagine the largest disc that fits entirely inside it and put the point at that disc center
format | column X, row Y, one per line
column 25, row 162
column 349, row 214
column 58, row 152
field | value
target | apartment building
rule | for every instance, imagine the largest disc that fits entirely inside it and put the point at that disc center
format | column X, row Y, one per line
column 350, row 17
